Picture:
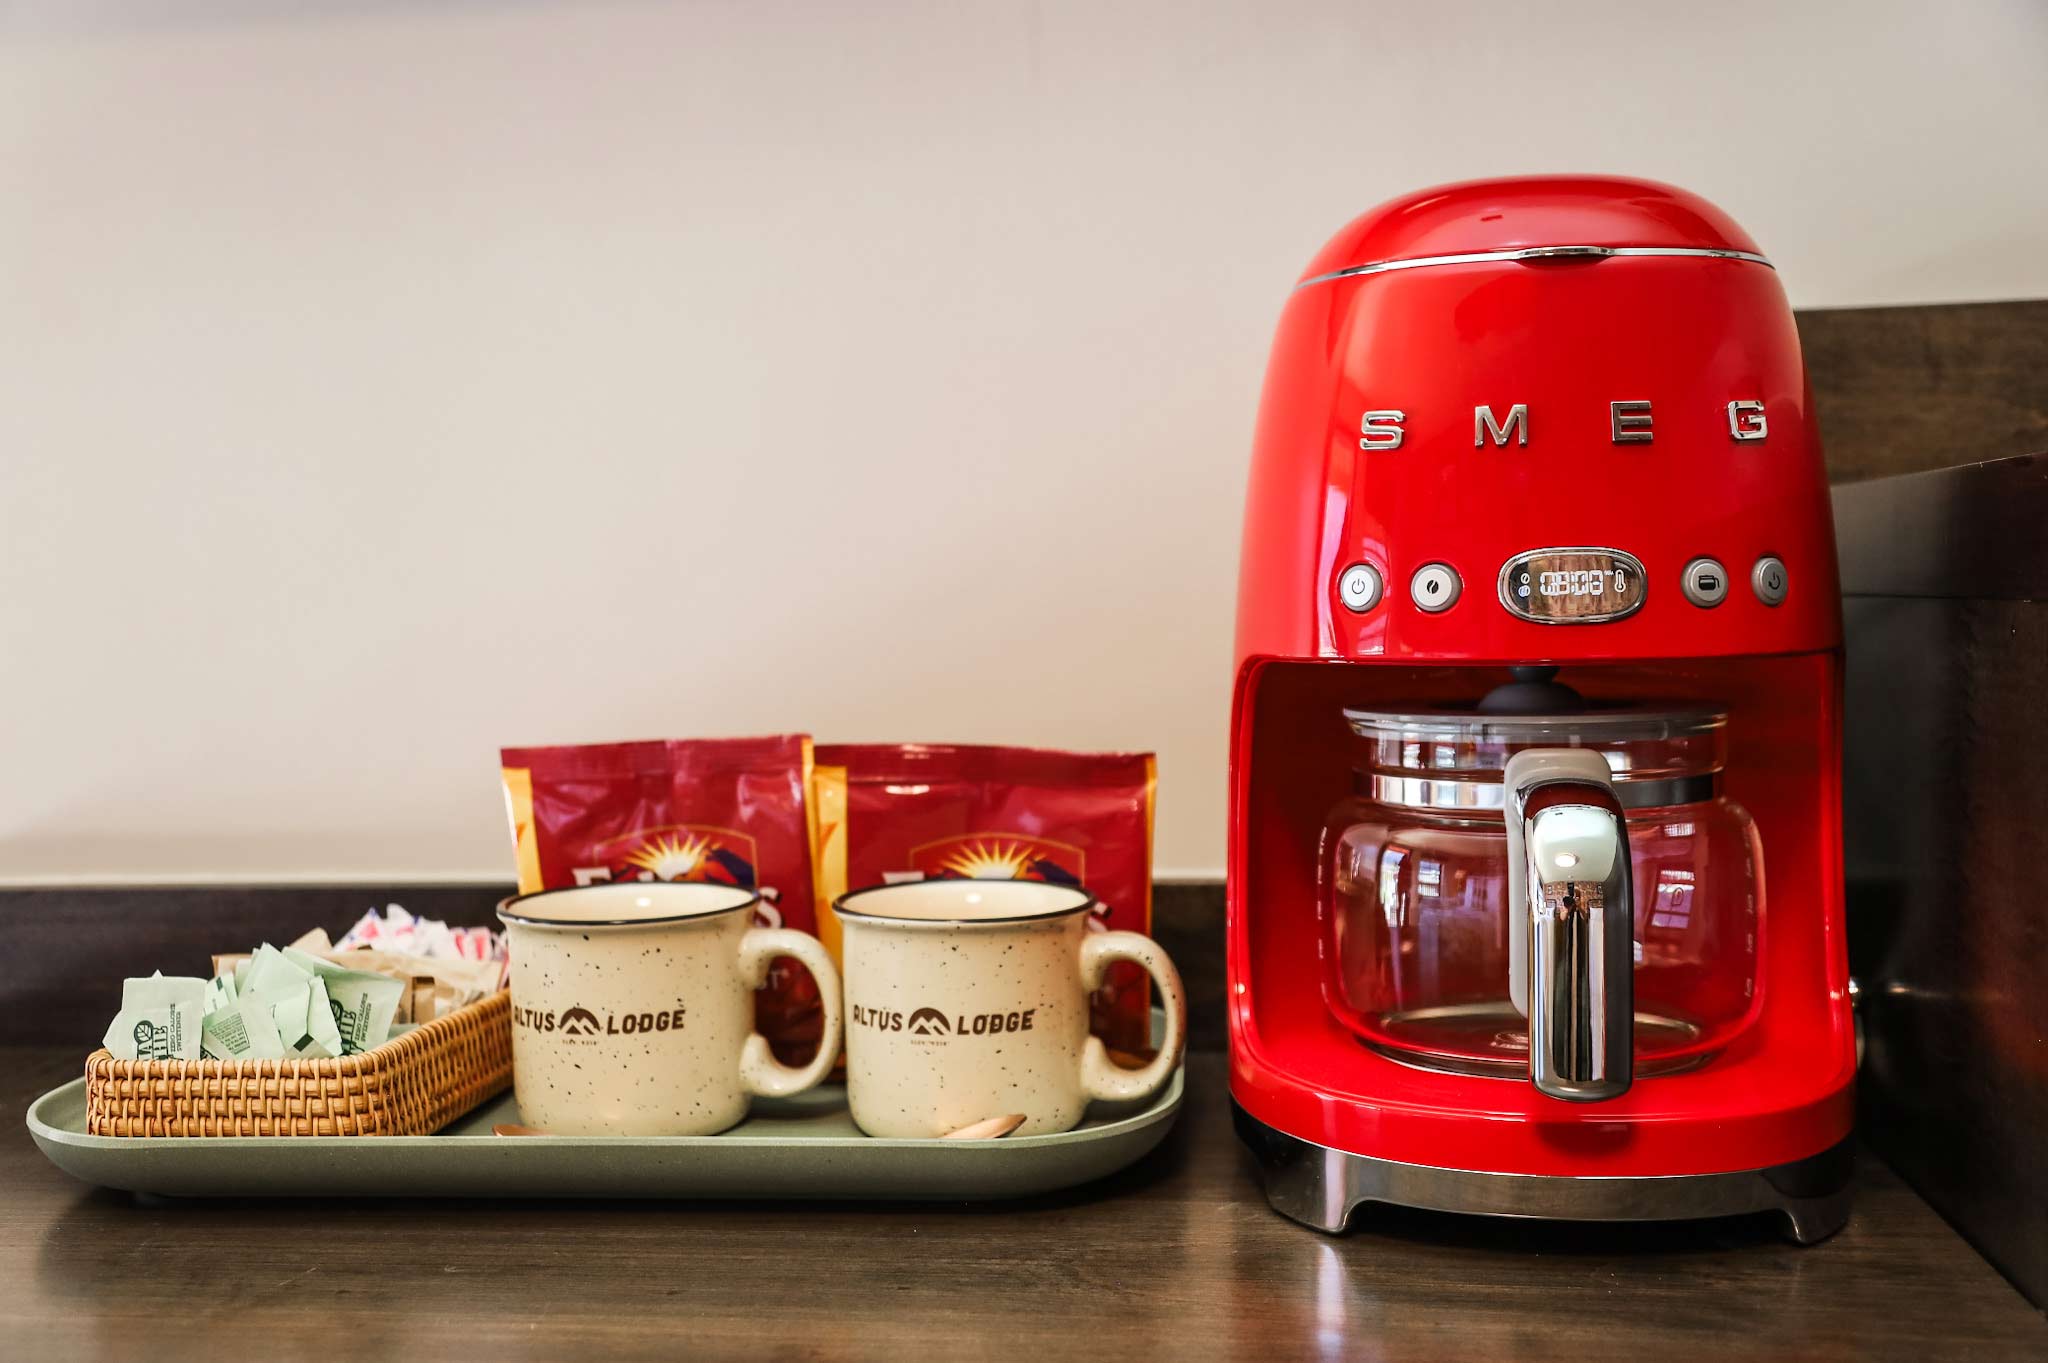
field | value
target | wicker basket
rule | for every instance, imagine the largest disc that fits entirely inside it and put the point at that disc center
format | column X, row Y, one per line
column 412, row 1085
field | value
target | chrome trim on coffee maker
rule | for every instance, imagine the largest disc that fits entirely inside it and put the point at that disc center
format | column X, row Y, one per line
column 1570, row 892
column 1455, row 792
column 1536, row 255
column 1323, row 1188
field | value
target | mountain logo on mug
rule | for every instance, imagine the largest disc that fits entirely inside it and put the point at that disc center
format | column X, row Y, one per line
column 927, row 1021
column 579, row 1022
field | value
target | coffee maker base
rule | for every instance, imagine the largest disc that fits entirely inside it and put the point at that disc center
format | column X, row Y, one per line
column 1324, row 1188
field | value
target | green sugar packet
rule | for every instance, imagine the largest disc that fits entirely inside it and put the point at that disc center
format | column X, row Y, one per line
column 169, row 1032
column 241, row 1031
column 300, row 1003
column 288, row 1005
column 220, row 993
column 159, row 1019
column 323, row 1033
column 269, row 970
column 362, row 1002
column 303, row 1018
column 286, row 990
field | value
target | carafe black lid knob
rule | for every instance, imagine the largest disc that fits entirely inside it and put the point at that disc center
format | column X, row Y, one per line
column 1532, row 692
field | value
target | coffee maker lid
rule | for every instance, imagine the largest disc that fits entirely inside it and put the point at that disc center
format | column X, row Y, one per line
column 1533, row 220
column 1532, row 708
column 1452, row 757
column 1590, row 727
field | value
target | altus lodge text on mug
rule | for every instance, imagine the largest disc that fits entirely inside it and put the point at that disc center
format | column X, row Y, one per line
column 931, row 1022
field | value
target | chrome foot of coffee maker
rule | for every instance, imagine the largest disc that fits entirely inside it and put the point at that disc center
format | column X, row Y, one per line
column 1324, row 1188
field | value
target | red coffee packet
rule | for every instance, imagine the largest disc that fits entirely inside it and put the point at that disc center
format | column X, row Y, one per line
column 918, row 811
column 731, row 811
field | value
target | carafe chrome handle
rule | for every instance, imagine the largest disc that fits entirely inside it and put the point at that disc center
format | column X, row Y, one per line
column 1571, row 951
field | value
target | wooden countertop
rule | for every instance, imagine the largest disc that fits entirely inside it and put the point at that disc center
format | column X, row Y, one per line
column 1177, row 1258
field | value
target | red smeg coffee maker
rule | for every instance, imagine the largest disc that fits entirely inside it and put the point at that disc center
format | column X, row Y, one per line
column 1535, row 899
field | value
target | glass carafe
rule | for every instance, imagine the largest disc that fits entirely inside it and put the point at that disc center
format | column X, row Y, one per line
column 1421, row 916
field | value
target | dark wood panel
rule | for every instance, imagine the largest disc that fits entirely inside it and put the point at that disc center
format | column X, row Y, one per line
column 1946, row 828
column 70, row 948
column 1176, row 1258
column 1975, row 532
column 1899, row 390
column 1188, row 921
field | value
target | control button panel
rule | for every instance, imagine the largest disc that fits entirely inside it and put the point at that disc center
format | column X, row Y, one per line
column 1573, row 586
column 1705, row 583
column 1359, row 587
column 1769, row 581
column 1435, row 587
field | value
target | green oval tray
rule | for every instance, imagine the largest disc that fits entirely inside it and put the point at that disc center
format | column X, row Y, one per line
column 802, row 1147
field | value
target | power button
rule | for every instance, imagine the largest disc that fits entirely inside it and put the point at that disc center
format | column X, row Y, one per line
column 1360, row 588
column 1769, row 581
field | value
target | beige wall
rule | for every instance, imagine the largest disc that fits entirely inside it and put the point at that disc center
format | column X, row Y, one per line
column 381, row 382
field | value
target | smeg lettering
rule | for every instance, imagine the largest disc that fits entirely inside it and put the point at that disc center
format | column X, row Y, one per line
column 1630, row 421
column 1485, row 426
column 1381, row 430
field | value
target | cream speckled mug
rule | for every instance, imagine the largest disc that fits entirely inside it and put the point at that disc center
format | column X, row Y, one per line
column 633, row 1008
column 968, row 999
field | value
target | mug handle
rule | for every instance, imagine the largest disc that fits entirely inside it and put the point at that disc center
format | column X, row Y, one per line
column 1100, row 1076
column 760, row 1071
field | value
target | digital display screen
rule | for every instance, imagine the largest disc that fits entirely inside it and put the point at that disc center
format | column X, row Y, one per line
column 1577, row 586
